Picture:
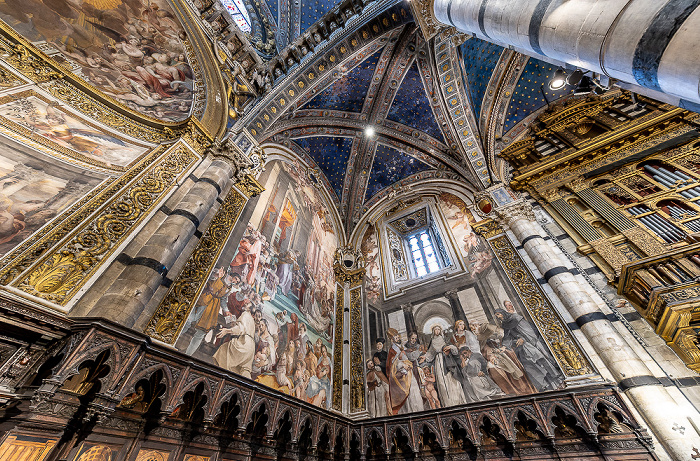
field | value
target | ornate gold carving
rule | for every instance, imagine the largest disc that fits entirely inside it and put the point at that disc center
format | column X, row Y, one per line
column 338, row 348
column 686, row 345
column 551, row 195
column 565, row 350
column 644, row 241
column 579, row 184
column 8, row 79
column 58, row 275
column 170, row 316
column 250, row 186
column 349, row 266
column 488, row 228
column 357, row 376
column 28, row 62
column 354, row 277
column 610, row 253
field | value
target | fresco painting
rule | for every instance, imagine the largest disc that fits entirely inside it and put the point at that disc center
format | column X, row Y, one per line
column 34, row 188
column 49, row 121
column 460, row 220
column 131, row 50
column 267, row 310
column 473, row 343
column 373, row 278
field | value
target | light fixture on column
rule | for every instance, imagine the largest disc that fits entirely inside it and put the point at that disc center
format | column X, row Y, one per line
column 559, row 80
column 369, row 131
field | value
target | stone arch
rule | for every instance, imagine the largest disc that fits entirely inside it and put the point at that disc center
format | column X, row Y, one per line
column 430, row 310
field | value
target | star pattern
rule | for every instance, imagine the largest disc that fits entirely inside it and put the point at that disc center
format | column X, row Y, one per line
column 480, row 59
column 348, row 92
column 411, row 106
column 390, row 166
column 313, row 10
column 331, row 154
column 527, row 97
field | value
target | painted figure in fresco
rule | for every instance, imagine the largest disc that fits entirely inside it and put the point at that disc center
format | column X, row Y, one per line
column 427, row 377
column 380, row 357
column 236, row 355
column 506, row 370
column 377, row 391
column 464, row 337
column 319, row 388
column 404, row 391
column 483, row 332
column 446, row 368
column 521, row 336
column 246, row 260
column 211, row 303
column 286, row 268
column 476, row 377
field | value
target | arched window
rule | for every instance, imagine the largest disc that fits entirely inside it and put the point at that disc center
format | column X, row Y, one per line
column 239, row 13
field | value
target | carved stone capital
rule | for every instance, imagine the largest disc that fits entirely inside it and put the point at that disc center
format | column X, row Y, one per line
column 407, row 307
column 510, row 213
column 452, row 294
column 349, row 266
column 230, row 153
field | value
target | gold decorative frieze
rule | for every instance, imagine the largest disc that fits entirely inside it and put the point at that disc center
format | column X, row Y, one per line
column 357, row 375
column 338, row 349
column 250, row 186
column 488, row 228
column 61, row 272
column 169, row 318
column 552, row 328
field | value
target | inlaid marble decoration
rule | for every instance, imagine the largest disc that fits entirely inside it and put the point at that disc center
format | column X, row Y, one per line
column 35, row 188
column 130, row 50
column 47, row 119
column 267, row 310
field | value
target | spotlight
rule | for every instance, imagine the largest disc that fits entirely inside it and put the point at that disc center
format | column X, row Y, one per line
column 558, row 81
column 585, row 86
column 369, row 131
column 575, row 77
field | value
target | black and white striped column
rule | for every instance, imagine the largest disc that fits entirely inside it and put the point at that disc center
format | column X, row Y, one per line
column 650, row 43
column 656, row 405
column 127, row 295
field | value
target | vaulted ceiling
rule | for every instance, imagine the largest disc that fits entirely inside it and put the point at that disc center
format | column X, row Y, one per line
column 408, row 90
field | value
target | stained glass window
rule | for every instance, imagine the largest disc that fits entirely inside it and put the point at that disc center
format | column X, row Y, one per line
column 425, row 260
column 237, row 10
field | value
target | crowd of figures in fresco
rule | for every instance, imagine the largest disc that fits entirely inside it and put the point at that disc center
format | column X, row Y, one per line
column 472, row 363
column 131, row 50
column 267, row 313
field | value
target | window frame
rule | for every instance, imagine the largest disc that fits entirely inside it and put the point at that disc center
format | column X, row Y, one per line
column 421, row 247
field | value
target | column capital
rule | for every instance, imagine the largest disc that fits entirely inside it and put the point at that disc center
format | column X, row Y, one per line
column 241, row 164
column 408, row 307
column 451, row 294
column 349, row 266
column 551, row 195
column 520, row 209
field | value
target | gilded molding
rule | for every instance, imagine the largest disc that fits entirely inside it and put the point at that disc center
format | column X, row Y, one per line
column 610, row 253
column 488, row 228
column 644, row 241
column 551, row 195
column 58, row 275
column 423, row 12
column 36, row 246
column 552, row 328
column 357, row 375
column 169, row 318
column 250, row 186
column 338, row 348
column 578, row 184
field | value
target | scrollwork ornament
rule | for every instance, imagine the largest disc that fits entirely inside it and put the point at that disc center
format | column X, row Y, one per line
column 357, row 376
column 230, row 153
column 563, row 347
column 170, row 316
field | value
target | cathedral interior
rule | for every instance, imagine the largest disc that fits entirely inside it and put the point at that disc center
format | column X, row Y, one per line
column 238, row 230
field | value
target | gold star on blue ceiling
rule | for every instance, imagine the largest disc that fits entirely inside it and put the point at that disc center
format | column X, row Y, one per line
column 331, row 155
column 390, row 166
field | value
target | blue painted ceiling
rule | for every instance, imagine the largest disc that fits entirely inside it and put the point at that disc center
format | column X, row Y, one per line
column 391, row 166
column 313, row 10
column 480, row 59
column 412, row 108
column 331, row 154
column 527, row 97
column 348, row 92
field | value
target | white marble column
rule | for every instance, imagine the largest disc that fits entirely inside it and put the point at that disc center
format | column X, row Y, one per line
column 660, row 411
column 641, row 42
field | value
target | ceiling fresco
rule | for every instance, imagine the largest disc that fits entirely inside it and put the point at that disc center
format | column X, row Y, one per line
column 348, row 92
column 390, row 166
column 131, row 50
column 411, row 106
column 479, row 59
column 331, row 154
